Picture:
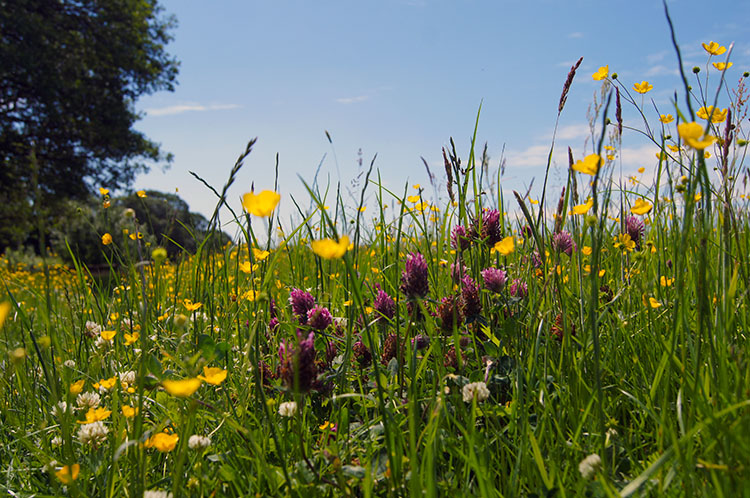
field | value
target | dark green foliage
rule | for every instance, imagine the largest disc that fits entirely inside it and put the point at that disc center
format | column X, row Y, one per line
column 71, row 72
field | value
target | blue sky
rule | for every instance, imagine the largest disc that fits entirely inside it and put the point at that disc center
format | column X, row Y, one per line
column 400, row 77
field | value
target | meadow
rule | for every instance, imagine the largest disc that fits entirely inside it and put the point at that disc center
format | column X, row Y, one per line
column 588, row 341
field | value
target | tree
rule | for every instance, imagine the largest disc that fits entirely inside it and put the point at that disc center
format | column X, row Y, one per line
column 71, row 73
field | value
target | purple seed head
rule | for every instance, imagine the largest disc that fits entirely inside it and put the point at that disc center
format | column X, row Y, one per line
column 414, row 279
column 301, row 302
column 319, row 318
column 494, row 279
column 459, row 238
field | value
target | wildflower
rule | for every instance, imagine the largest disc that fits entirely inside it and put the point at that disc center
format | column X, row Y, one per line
column 665, row 282
column 589, row 466
column 162, row 441
column 625, row 242
column 641, row 207
column 181, row 388
column 131, row 338
column 563, row 242
column 106, row 239
column 634, row 227
column 330, row 249
column 420, row 341
column 362, row 354
column 129, row 411
column 77, row 387
column 471, row 305
column 391, row 348
column 93, row 433
column 714, row 48
column 4, row 312
column 558, row 330
column 459, row 239
column 95, row 415
column 666, row 118
column 494, row 279
column 156, row 493
column 490, row 231
column 213, row 375
column 651, row 302
column 717, row 115
column 601, row 73
column 105, row 385
column 190, row 306
column 103, row 191
column 108, row 335
column 198, row 442
column 68, row 473
column 414, row 277
column 476, row 390
column 384, row 304
column 590, row 164
column 259, row 254
column 519, row 289
column 583, row 208
column 159, row 255
column 288, row 409
column 692, row 134
column 261, row 205
column 301, row 302
column 87, row 400
column 319, row 318
column 297, row 365
column 643, row 87
column 129, row 213
column 721, row 66
column 59, row 409
column 141, row 194
column 505, row 246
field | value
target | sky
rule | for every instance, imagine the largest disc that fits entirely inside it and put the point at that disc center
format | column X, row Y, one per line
column 399, row 78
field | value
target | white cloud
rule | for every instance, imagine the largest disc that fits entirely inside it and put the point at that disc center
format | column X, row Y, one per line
column 660, row 70
column 182, row 108
column 353, row 100
column 576, row 34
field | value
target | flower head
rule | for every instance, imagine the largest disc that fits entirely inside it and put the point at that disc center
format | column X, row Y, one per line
column 666, row 118
column 641, row 206
column 643, row 87
column 198, row 442
column 471, row 305
column 301, row 302
column 68, row 473
column 181, row 388
column 476, row 390
column 106, row 239
column 459, row 239
column 93, row 433
column 141, row 194
column 490, row 231
column 634, row 227
column 590, row 164
column 589, row 466
column 625, row 243
column 721, row 66
column 162, row 441
column 384, row 304
column 692, row 134
column 414, row 279
column 601, row 73
column 714, row 48
column 449, row 312
column 297, row 365
column 717, row 115
column 319, row 318
column 519, row 289
column 213, row 375
column 583, row 208
column 494, row 279
column 505, row 246
column 330, row 249
column 261, row 205
column 288, row 409
column 563, row 242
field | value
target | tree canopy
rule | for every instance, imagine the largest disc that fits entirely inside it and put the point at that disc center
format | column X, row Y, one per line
column 71, row 73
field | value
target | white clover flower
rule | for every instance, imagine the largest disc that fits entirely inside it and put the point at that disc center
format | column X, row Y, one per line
column 51, row 466
column 56, row 441
column 88, row 400
column 69, row 363
column 93, row 328
column 128, row 377
column 102, row 344
column 475, row 389
column 288, row 409
column 92, row 433
column 198, row 442
column 155, row 493
column 589, row 466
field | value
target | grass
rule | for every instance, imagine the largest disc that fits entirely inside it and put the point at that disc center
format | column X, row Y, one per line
column 633, row 349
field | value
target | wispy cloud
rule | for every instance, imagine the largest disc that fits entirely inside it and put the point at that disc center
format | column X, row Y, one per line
column 576, row 34
column 182, row 108
column 660, row 70
column 353, row 100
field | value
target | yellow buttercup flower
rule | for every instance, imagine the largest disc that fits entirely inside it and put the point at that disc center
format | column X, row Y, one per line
column 4, row 312
column 625, row 242
column 103, row 191
column 68, row 473
column 106, row 239
column 666, row 118
column 718, row 115
column 583, row 208
column 108, row 335
column 643, row 87
column 95, row 415
column 601, row 73
column 505, row 246
column 259, row 254
column 131, row 338
column 129, row 411
column 330, row 249
column 714, row 48
column 190, row 306
column 77, row 387
column 721, row 66
column 245, row 267
column 665, row 282
column 590, row 164
column 641, row 207
column 181, row 388
column 162, row 441
column 692, row 134
column 213, row 375
column 262, row 204
column 108, row 383
column 141, row 194
column 586, row 250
